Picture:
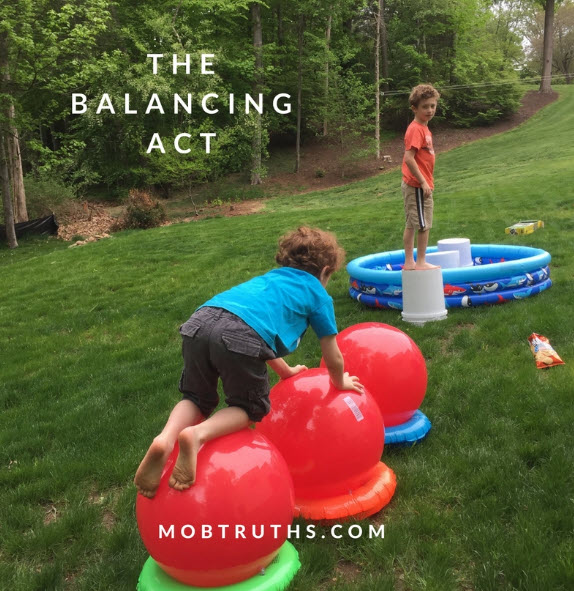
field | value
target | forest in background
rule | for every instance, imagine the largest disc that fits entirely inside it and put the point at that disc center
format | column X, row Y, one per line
column 347, row 66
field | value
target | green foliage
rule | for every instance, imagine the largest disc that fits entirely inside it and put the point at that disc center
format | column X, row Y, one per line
column 95, row 47
column 44, row 194
column 463, row 49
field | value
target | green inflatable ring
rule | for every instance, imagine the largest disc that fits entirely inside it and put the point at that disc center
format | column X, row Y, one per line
column 277, row 576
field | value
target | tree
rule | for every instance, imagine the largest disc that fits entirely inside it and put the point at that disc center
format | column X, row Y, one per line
column 41, row 42
column 257, row 84
column 300, row 38
column 563, row 42
column 378, row 40
column 7, row 196
column 12, row 161
column 546, row 82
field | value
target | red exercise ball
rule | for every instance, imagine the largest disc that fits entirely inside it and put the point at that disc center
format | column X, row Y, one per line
column 389, row 364
column 332, row 440
column 243, row 483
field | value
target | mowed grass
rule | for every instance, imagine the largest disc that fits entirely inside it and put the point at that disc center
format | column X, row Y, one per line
column 91, row 360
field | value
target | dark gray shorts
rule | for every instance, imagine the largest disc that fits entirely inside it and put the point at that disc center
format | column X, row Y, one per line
column 218, row 344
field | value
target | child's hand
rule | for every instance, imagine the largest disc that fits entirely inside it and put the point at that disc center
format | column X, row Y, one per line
column 283, row 369
column 427, row 191
column 293, row 371
column 352, row 383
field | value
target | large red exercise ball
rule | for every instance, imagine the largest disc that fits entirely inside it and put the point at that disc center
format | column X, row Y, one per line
column 231, row 523
column 389, row 364
column 332, row 442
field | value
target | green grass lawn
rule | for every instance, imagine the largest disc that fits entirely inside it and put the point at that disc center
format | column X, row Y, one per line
column 91, row 360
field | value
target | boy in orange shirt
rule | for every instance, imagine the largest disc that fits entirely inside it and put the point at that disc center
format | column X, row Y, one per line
column 418, row 182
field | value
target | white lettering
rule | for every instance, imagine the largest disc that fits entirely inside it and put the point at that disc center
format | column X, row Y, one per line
column 186, row 63
column 127, row 106
column 376, row 533
column 154, row 57
column 205, row 63
column 168, row 533
column 177, row 100
column 258, row 106
column 337, row 526
column 154, row 103
column 176, row 143
column 155, row 144
column 204, row 103
column 185, row 527
column 79, row 100
column 206, row 532
column 105, row 103
column 287, row 107
column 208, row 137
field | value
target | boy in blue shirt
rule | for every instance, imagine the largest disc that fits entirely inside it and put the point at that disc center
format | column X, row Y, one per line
column 234, row 336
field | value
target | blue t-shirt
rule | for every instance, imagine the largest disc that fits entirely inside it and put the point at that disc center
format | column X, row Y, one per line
column 280, row 305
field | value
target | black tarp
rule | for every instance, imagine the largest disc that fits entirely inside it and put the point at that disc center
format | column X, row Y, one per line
column 47, row 225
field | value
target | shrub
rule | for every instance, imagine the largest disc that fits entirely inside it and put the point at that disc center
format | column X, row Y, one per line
column 143, row 211
column 44, row 194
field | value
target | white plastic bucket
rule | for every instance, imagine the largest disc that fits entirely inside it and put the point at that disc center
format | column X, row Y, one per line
column 460, row 244
column 423, row 296
column 446, row 259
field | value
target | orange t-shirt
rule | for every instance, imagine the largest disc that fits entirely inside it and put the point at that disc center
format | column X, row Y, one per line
column 419, row 137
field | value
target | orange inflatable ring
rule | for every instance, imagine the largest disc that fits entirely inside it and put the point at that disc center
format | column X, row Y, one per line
column 362, row 502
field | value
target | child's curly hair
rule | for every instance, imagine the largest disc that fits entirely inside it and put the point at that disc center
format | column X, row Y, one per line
column 311, row 250
column 422, row 92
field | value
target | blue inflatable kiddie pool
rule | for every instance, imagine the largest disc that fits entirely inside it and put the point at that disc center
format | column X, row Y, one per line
column 498, row 274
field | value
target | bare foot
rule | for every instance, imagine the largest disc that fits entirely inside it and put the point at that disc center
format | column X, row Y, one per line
column 149, row 472
column 425, row 266
column 183, row 475
column 409, row 267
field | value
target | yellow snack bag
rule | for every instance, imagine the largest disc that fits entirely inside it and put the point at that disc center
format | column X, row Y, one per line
column 544, row 354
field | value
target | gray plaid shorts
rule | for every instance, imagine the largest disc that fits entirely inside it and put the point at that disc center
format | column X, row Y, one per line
column 218, row 344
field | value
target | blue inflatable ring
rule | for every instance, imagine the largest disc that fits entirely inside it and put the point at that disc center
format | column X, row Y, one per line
column 499, row 273
column 409, row 433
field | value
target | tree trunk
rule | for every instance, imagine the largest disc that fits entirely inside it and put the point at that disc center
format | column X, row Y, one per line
column 327, row 48
column 546, row 82
column 15, row 168
column 280, row 40
column 300, row 31
column 378, row 19
column 6, row 196
column 10, row 137
column 258, row 51
column 384, row 47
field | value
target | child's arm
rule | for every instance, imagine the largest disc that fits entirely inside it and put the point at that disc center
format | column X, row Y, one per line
column 414, row 168
column 283, row 369
column 336, row 365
